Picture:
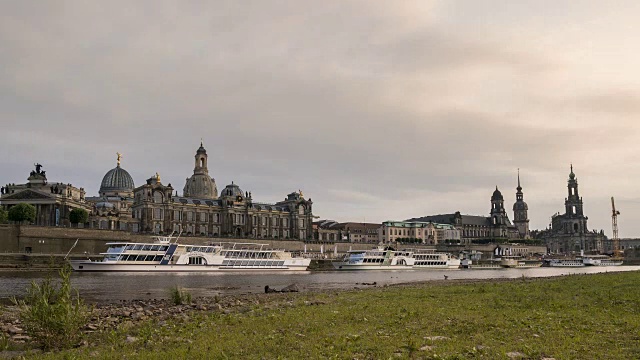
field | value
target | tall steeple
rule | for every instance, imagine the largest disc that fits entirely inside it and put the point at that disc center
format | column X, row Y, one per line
column 575, row 221
column 520, row 212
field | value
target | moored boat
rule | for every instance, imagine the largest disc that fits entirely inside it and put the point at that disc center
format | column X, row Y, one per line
column 601, row 260
column 577, row 262
column 382, row 258
column 513, row 261
column 163, row 255
column 379, row 258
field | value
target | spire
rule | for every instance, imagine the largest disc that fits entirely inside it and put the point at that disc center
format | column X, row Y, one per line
column 201, row 142
column 519, row 188
column 571, row 174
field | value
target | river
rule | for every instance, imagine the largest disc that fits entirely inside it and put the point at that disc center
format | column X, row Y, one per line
column 112, row 287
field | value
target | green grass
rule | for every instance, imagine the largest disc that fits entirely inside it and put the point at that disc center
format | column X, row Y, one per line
column 573, row 317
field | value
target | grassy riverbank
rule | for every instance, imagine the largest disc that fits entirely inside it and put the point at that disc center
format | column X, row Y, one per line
column 572, row 317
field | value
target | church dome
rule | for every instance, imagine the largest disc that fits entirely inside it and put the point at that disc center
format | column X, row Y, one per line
column 497, row 195
column 116, row 179
column 232, row 190
column 200, row 186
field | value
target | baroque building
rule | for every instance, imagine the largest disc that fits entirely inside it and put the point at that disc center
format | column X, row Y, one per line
column 111, row 210
column 200, row 211
column 426, row 232
column 569, row 232
column 53, row 200
column 474, row 228
column 355, row 232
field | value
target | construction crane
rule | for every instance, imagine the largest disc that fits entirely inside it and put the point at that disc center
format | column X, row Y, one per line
column 614, row 225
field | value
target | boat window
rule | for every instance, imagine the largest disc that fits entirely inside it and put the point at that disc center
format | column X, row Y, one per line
column 137, row 247
column 164, row 248
column 146, row 248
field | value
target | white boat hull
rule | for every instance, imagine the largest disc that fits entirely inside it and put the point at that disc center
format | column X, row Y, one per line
column 603, row 263
column 99, row 266
column 347, row 266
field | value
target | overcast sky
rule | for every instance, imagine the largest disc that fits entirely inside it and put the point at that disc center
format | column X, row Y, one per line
column 376, row 110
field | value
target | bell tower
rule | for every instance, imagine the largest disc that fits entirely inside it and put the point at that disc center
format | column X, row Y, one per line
column 576, row 222
column 520, row 212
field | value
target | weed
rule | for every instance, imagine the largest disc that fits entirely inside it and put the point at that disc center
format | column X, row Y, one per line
column 179, row 296
column 53, row 315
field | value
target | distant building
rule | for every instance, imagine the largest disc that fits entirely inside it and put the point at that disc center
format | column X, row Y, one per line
column 200, row 211
column 425, row 232
column 495, row 226
column 332, row 231
column 111, row 210
column 53, row 200
column 569, row 232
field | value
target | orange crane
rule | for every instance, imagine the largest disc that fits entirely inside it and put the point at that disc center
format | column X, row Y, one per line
column 614, row 224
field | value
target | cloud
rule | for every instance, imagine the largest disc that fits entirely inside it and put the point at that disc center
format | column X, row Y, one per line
column 374, row 110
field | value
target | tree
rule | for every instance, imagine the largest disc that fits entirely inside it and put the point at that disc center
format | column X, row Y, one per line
column 78, row 216
column 3, row 216
column 22, row 212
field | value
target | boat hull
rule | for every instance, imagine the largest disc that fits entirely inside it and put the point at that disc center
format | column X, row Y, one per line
column 565, row 263
column 347, row 266
column 98, row 266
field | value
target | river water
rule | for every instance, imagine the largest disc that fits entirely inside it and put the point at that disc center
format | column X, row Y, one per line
column 110, row 287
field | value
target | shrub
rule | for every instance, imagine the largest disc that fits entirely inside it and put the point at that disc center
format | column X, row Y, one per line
column 78, row 216
column 3, row 216
column 22, row 212
column 53, row 315
column 179, row 296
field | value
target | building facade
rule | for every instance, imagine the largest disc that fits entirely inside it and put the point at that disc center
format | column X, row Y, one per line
column 53, row 201
column 429, row 233
column 472, row 227
column 156, row 209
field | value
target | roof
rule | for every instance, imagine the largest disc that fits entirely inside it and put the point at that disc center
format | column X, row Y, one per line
column 117, row 179
column 450, row 219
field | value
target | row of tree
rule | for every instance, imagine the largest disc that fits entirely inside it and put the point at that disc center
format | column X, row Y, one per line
column 27, row 213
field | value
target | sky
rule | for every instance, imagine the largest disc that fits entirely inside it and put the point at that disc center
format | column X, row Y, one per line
column 376, row 110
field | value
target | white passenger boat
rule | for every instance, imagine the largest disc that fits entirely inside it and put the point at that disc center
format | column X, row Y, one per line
column 163, row 255
column 601, row 260
column 480, row 264
column 577, row 262
column 435, row 260
column 388, row 259
column 513, row 261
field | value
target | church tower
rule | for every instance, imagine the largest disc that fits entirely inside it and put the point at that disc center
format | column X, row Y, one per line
column 499, row 219
column 520, row 212
column 576, row 221
column 200, row 184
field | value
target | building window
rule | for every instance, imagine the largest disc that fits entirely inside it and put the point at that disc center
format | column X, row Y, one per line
column 158, row 214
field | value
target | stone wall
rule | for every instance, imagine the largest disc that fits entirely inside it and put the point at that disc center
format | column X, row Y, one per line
column 57, row 240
